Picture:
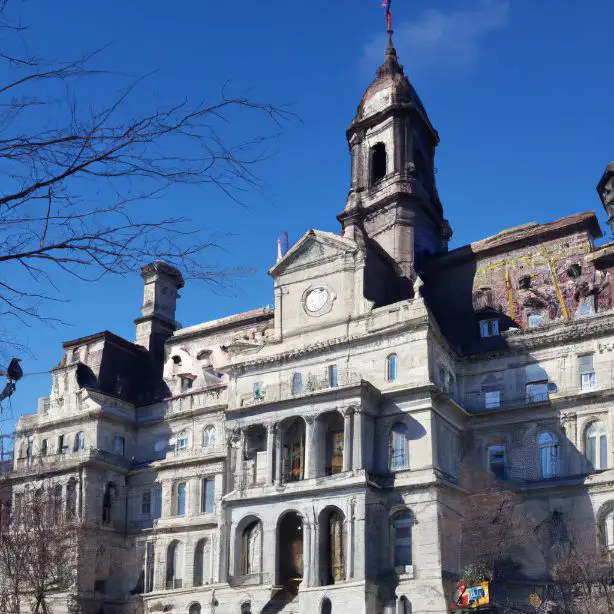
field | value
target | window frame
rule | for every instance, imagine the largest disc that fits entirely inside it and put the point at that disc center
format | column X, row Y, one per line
column 553, row 448
column 596, row 445
column 211, row 441
column 489, row 327
column 146, row 500
column 204, row 492
column 79, row 441
column 333, row 376
column 406, row 519
column 398, row 438
column 182, row 441
column 491, row 449
column 492, row 404
column 181, row 499
column 392, row 367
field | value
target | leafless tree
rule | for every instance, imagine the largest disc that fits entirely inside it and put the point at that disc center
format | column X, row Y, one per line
column 77, row 172
column 37, row 551
column 501, row 541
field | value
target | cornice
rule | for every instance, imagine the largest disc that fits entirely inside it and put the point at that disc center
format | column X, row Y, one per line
column 324, row 346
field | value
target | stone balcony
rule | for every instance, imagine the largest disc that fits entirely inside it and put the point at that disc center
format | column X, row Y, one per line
column 51, row 462
column 194, row 400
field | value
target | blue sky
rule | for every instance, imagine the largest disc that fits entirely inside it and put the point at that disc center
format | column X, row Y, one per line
column 520, row 92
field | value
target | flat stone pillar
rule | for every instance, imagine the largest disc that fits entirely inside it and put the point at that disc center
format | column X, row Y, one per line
column 270, row 446
column 357, row 455
column 278, row 456
column 309, row 422
column 347, row 439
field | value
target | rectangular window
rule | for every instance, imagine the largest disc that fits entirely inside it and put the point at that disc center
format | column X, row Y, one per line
column 44, row 447
column 536, row 319
column 603, row 452
column 146, row 503
column 207, row 503
column 402, row 541
column 181, row 492
column 62, row 444
column 492, row 399
column 186, row 383
column 497, row 464
column 258, row 390
column 537, row 392
column 332, row 376
column 157, row 502
column 489, row 328
column 182, row 441
column 119, row 445
column 588, row 379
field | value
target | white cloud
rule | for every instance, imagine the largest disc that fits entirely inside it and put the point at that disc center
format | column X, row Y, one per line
column 437, row 39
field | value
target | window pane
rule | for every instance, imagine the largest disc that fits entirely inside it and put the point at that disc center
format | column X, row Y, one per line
column 492, row 399
column 591, row 451
column 391, row 368
column 603, row 452
column 332, row 376
column 585, row 363
column 208, row 496
column 181, row 499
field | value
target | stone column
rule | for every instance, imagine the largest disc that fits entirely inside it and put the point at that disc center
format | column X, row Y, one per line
column 239, row 465
column 309, row 421
column 270, row 444
column 347, row 439
column 315, row 542
column 357, row 456
column 349, row 556
column 306, row 554
column 279, row 455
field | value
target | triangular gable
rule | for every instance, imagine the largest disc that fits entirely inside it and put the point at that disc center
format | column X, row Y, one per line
column 312, row 247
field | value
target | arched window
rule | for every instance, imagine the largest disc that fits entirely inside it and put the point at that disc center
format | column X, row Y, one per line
column 399, row 457
column 597, row 446
column 251, row 546
column 391, row 368
column 194, row 608
column 209, row 436
column 548, row 455
column 403, row 606
column 378, row 162
column 607, row 537
column 327, row 606
column 333, row 548
column 57, row 503
column 202, row 555
column 297, row 384
column 402, row 524
column 173, row 568
column 79, row 441
column 71, row 499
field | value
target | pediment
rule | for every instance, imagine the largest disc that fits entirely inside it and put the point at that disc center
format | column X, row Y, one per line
column 313, row 248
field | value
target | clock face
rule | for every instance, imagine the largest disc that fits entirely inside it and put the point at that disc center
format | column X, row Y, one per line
column 316, row 299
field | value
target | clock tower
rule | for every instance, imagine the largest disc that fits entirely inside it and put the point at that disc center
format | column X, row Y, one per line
column 393, row 190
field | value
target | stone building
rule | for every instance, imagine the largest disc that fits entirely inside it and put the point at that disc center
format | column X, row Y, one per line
column 305, row 458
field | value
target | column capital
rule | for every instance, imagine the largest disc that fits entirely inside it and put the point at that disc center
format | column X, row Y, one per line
column 348, row 411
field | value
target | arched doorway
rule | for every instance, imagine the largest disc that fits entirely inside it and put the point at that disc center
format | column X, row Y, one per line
column 290, row 551
column 332, row 546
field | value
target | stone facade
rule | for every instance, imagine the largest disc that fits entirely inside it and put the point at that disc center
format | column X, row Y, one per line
column 305, row 459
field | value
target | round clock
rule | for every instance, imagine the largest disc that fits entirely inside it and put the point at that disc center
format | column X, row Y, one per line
column 316, row 299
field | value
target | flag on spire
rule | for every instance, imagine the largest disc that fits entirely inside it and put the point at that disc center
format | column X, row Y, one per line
column 386, row 4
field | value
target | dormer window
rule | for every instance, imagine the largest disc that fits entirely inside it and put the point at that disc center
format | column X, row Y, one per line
column 186, row 383
column 378, row 162
column 489, row 328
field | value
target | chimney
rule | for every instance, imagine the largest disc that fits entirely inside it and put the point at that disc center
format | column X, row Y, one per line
column 157, row 322
column 605, row 187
